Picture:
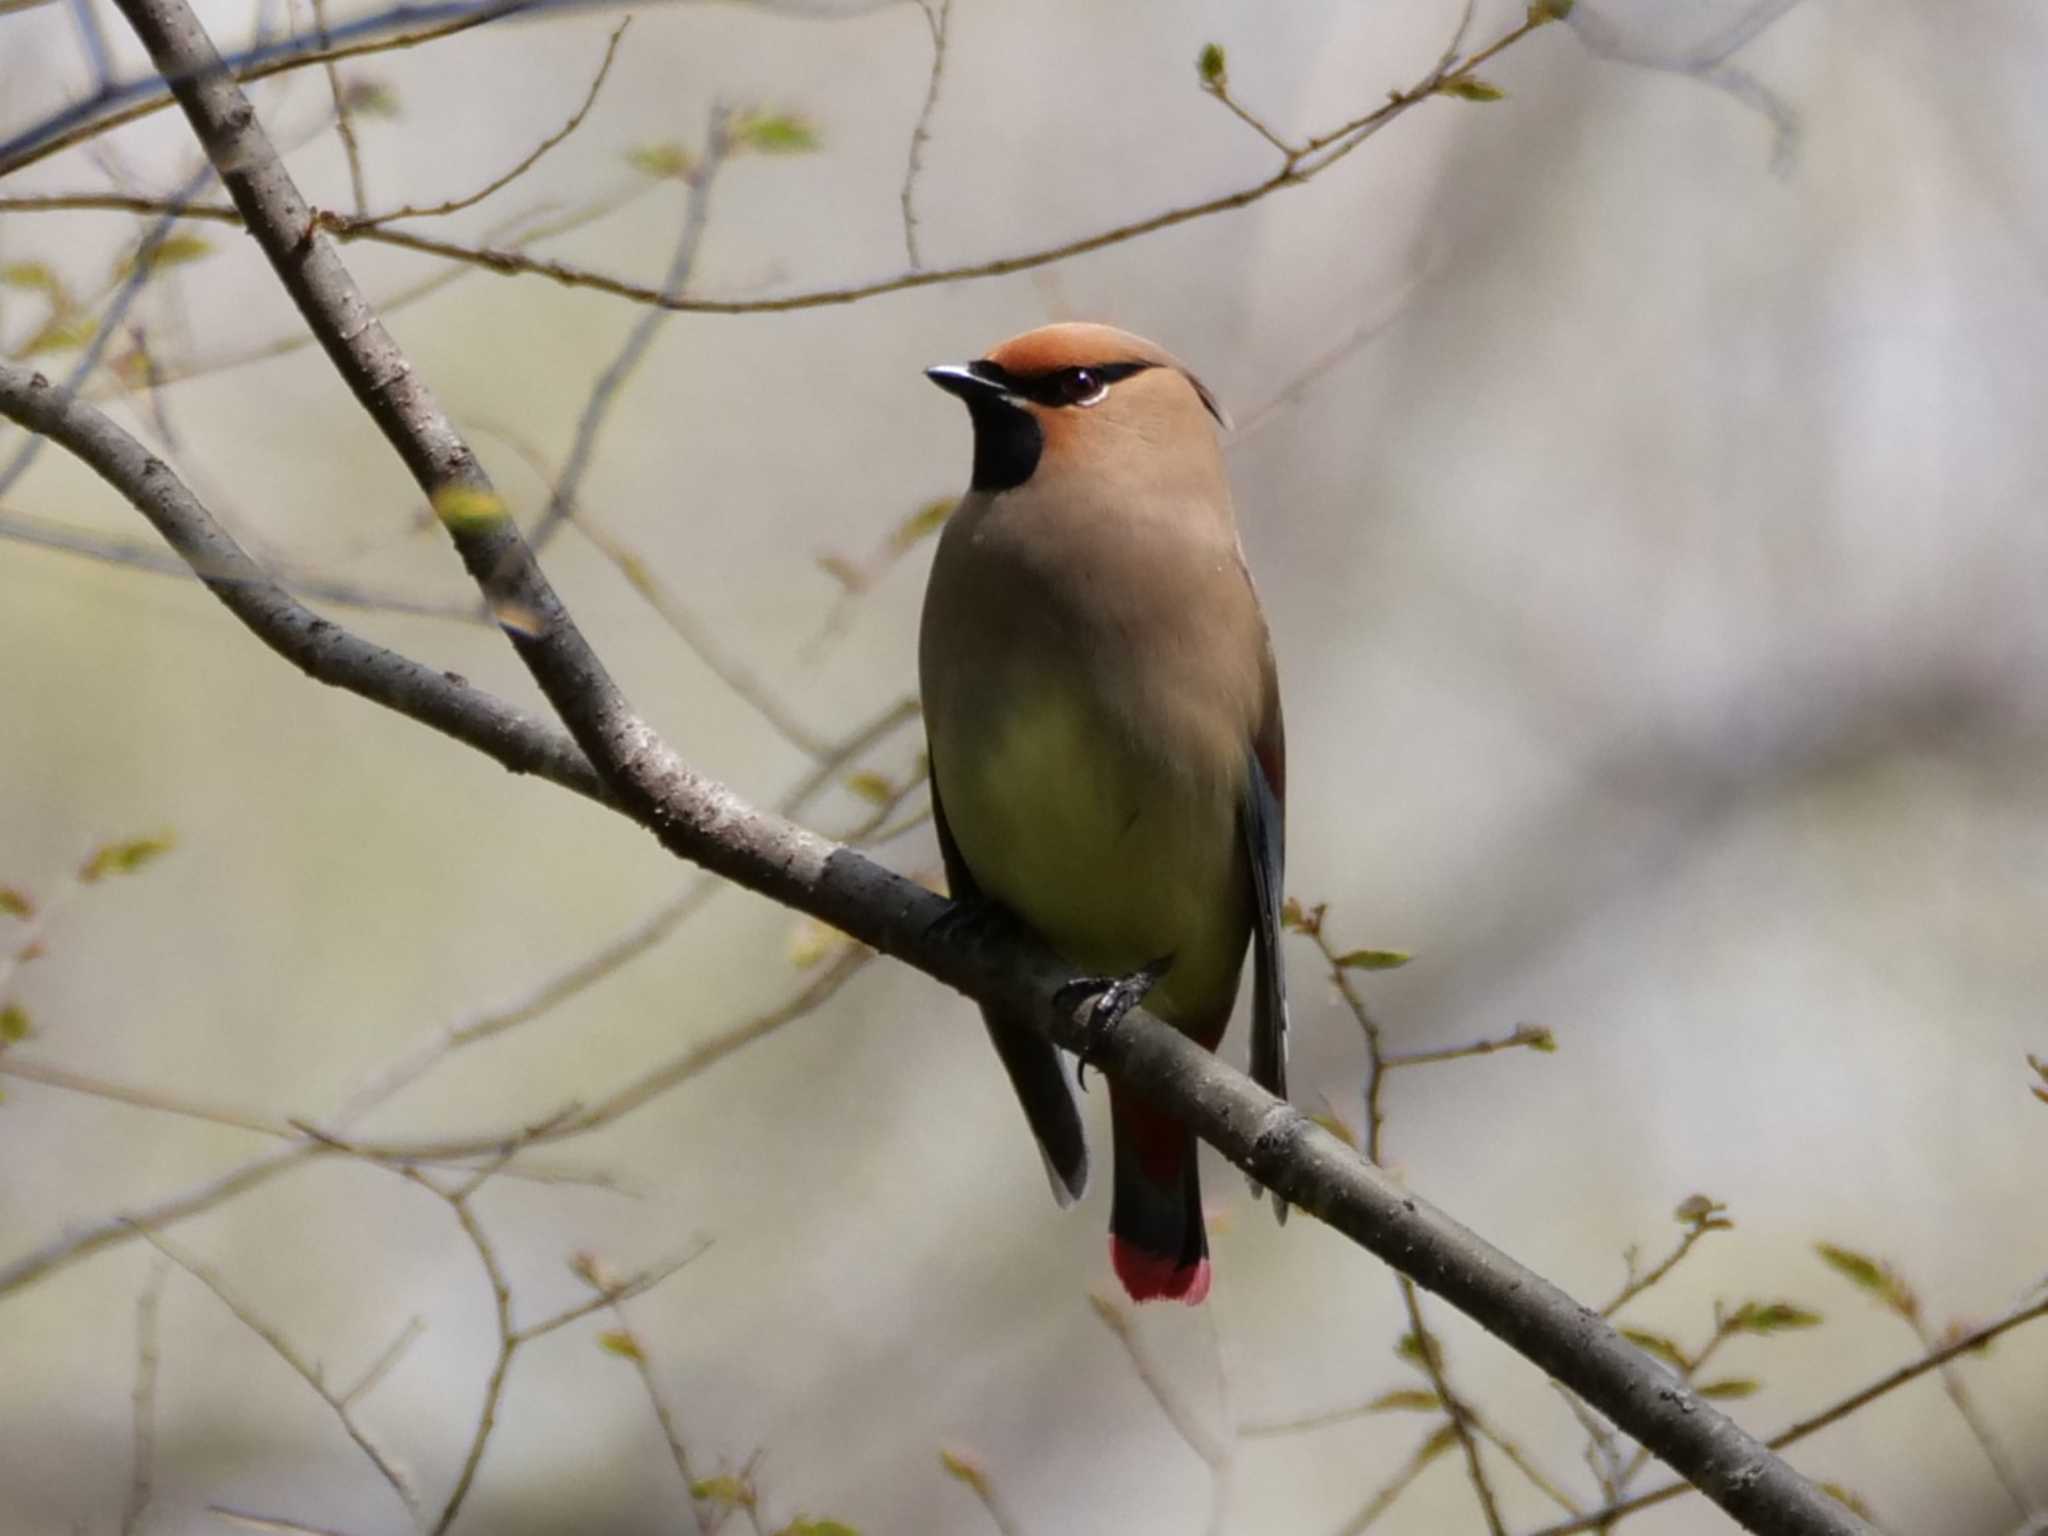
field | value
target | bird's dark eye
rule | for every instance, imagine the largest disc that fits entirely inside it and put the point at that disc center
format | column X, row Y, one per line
column 1081, row 386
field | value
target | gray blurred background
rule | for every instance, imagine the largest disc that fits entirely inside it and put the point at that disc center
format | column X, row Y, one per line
column 1660, row 583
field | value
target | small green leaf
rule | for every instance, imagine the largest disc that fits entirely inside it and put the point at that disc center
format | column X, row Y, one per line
column 1729, row 1387
column 1211, row 66
column 923, row 523
column 592, row 1270
column 1848, row 1498
column 1549, row 10
column 171, row 251
column 14, row 1024
column 1769, row 1317
column 15, row 902
column 1657, row 1344
column 1335, row 1125
column 774, row 133
column 845, row 572
column 1300, row 919
column 468, row 508
column 1420, row 1349
column 1703, row 1212
column 1880, row 1280
column 804, row 1525
column 1415, row 1399
column 1445, row 1437
column 60, row 333
column 616, row 1341
column 1471, row 88
column 370, row 98
column 32, row 275
column 725, row 1490
column 124, row 858
column 812, row 942
column 1537, row 1037
column 875, row 788
column 964, row 1467
column 1373, row 960
column 667, row 161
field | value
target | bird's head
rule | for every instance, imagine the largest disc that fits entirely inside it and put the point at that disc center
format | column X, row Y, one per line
column 1066, row 395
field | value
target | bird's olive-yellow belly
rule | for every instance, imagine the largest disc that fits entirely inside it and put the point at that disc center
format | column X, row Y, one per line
column 1117, row 856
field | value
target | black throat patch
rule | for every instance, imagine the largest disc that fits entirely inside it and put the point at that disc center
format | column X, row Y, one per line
column 1007, row 445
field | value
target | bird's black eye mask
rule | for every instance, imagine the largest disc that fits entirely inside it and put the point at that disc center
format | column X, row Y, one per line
column 1058, row 386
column 1008, row 441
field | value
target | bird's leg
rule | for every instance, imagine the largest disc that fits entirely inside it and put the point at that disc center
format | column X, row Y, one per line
column 1113, row 997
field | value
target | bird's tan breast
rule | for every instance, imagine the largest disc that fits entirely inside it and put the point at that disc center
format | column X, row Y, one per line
column 1089, row 707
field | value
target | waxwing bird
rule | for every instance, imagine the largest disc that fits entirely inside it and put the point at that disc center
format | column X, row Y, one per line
column 1106, row 750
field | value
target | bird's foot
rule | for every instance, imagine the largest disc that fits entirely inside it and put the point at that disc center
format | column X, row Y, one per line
column 1111, row 997
column 968, row 919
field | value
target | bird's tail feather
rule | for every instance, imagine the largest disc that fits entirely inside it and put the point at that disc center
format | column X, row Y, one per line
column 1045, row 1088
column 1156, row 1242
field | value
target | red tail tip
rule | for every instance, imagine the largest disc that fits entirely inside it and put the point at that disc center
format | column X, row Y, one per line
column 1150, row 1277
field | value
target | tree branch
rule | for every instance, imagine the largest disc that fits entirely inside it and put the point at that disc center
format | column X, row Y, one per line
column 319, row 648
column 1834, row 1413
column 703, row 821
column 1298, row 167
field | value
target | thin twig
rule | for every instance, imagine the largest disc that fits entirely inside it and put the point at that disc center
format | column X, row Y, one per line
column 282, row 1347
column 142, row 1464
column 1428, row 1349
column 605, row 388
column 938, row 15
column 499, row 183
column 1220, row 89
column 385, row 1362
column 1833, row 1414
column 508, row 1346
column 614, row 953
column 1384, row 1499
column 1603, row 1446
column 1317, row 156
column 965, row 1468
column 1213, row 1451
column 284, row 1128
column 2002, row 1469
column 249, row 1520
column 1250, row 423
column 1532, row 1036
column 344, row 119
column 1701, row 1216
column 511, row 1338
column 1354, row 1000
column 664, row 1415
column 108, row 549
column 85, row 120
column 78, row 1243
column 1430, row 1352
column 1522, row 1462
column 124, row 293
column 445, row 277
column 698, row 636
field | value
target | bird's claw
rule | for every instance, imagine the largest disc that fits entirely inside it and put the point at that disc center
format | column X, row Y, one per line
column 1111, row 997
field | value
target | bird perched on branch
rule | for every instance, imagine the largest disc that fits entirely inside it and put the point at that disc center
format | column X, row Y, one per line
column 1107, row 759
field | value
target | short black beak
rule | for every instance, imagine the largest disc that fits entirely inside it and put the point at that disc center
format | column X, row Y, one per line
column 968, row 382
